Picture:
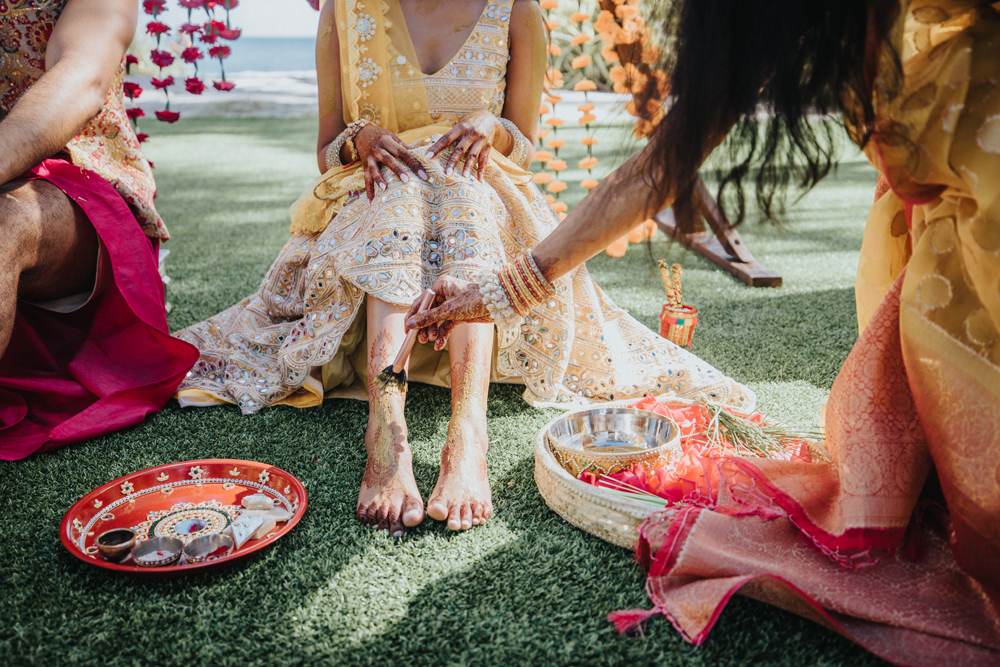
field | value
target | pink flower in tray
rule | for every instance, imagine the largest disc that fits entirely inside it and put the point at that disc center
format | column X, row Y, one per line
column 161, row 58
column 168, row 116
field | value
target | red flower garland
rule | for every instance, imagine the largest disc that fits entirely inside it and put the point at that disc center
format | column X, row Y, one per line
column 210, row 32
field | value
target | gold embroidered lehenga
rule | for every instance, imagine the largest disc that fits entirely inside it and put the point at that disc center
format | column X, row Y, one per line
column 299, row 336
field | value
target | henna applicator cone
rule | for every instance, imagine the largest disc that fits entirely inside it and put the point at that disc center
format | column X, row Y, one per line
column 394, row 376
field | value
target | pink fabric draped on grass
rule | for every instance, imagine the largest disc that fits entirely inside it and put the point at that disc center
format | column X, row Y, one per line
column 67, row 377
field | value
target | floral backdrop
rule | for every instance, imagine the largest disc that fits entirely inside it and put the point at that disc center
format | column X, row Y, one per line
column 203, row 35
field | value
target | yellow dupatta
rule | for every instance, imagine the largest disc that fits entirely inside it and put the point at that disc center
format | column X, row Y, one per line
column 380, row 81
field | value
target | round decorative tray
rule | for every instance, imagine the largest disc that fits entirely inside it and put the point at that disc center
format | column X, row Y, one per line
column 586, row 506
column 179, row 500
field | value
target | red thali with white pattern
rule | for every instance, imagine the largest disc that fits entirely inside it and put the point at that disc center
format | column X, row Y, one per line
column 183, row 500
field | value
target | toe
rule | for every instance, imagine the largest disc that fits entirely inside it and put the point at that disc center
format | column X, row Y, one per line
column 455, row 517
column 383, row 513
column 466, row 516
column 487, row 511
column 413, row 512
column 370, row 515
column 395, row 525
column 477, row 514
column 437, row 508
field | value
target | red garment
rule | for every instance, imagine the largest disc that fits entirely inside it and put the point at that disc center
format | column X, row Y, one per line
column 67, row 377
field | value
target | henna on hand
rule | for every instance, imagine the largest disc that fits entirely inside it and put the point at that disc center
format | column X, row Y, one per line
column 473, row 138
column 375, row 146
column 456, row 301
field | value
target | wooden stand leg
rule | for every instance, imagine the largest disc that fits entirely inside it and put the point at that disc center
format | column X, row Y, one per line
column 723, row 246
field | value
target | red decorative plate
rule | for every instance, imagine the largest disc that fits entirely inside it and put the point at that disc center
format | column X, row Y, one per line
column 184, row 500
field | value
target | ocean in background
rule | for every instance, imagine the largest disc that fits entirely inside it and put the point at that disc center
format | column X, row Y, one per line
column 271, row 54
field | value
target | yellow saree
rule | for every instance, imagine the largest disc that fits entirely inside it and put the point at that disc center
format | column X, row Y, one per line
column 297, row 339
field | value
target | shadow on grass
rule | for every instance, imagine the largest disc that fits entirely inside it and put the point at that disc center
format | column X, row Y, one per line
column 533, row 601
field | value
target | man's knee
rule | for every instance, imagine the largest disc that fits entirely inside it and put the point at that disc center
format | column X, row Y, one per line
column 22, row 205
column 44, row 236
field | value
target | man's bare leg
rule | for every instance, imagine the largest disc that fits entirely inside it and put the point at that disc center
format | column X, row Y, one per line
column 48, row 248
column 389, row 498
column 462, row 495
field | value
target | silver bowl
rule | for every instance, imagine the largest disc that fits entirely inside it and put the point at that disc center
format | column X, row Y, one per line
column 115, row 544
column 144, row 554
column 618, row 430
column 200, row 549
column 608, row 440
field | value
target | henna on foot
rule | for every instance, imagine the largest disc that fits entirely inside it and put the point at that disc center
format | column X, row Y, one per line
column 389, row 498
column 462, row 495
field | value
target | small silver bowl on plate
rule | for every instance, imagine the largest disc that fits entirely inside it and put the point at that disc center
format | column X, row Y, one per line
column 157, row 552
column 609, row 440
column 115, row 544
column 208, row 547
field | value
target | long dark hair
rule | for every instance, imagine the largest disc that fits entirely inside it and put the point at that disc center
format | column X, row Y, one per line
column 772, row 67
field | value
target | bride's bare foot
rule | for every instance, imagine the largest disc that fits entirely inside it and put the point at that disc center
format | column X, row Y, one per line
column 389, row 498
column 462, row 495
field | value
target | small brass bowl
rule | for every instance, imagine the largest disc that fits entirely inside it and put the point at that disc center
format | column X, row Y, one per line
column 200, row 549
column 609, row 440
column 157, row 552
column 115, row 544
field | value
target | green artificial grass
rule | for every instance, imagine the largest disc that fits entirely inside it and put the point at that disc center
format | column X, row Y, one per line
column 525, row 589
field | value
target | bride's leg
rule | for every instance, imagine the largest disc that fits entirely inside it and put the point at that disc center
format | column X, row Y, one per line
column 462, row 495
column 389, row 498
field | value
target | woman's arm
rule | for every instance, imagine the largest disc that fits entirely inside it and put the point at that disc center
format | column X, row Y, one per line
column 619, row 204
column 331, row 102
column 375, row 145
column 623, row 200
column 525, row 75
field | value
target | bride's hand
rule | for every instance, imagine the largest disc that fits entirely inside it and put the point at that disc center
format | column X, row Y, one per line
column 376, row 145
column 473, row 137
column 457, row 301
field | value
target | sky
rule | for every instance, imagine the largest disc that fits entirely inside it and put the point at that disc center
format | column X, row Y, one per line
column 257, row 18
